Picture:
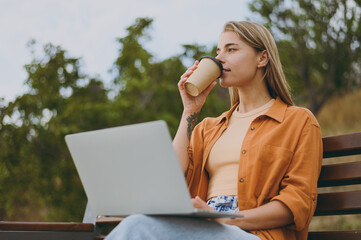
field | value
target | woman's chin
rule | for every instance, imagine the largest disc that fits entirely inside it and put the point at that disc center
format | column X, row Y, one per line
column 223, row 83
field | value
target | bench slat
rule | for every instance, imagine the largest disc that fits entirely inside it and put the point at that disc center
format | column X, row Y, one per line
column 335, row 235
column 108, row 221
column 339, row 203
column 342, row 145
column 45, row 226
column 340, row 174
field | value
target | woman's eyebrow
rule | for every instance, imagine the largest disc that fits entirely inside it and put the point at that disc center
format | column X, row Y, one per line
column 230, row 44
column 227, row 45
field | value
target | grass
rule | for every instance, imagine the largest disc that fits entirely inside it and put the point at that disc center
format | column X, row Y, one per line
column 341, row 115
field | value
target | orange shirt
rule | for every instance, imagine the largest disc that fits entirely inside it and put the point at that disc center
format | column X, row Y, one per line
column 280, row 160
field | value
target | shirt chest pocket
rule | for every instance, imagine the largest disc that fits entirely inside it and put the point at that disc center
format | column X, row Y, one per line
column 268, row 166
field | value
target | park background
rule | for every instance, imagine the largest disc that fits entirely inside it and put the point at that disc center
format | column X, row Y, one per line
column 319, row 45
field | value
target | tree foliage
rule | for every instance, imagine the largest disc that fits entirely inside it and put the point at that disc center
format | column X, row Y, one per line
column 319, row 43
column 37, row 175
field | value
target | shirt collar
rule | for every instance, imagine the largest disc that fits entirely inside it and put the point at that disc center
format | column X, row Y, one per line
column 226, row 115
column 277, row 111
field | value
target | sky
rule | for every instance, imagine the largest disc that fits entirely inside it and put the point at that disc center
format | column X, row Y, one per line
column 88, row 29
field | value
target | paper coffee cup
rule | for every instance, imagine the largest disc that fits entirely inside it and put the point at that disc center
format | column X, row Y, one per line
column 208, row 70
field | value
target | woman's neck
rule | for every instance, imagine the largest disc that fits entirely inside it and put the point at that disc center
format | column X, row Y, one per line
column 251, row 98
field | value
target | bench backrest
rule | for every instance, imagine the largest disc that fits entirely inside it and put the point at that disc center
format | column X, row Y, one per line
column 335, row 202
column 340, row 174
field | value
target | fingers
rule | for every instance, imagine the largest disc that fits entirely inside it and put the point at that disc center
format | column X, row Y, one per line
column 186, row 75
column 222, row 220
column 189, row 71
column 199, row 203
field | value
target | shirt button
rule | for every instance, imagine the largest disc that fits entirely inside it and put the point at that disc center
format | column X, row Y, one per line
column 252, row 128
column 243, row 151
column 241, row 180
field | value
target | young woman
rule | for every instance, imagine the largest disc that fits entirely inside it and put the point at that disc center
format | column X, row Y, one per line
column 261, row 158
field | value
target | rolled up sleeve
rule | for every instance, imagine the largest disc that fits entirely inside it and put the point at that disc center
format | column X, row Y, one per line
column 298, row 188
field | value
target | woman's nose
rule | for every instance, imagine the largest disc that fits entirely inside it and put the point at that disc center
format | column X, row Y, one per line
column 220, row 58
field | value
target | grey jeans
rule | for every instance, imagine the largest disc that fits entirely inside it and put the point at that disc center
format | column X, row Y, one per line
column 161, row 228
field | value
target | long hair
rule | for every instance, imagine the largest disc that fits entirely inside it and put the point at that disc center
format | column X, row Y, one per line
column 259, row 38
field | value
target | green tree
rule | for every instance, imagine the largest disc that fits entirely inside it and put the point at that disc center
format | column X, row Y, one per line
column 36, row 169
column 37, row 174
column 319, row 43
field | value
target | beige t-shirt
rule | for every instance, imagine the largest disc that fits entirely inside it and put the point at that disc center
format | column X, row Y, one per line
column 223, row 160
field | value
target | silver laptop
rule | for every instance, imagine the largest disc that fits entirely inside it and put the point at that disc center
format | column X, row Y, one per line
column 133, row 169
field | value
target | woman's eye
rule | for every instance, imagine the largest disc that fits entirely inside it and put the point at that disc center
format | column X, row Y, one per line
column 231, row 49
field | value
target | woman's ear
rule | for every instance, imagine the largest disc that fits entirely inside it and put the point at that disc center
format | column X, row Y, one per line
column 263, row 59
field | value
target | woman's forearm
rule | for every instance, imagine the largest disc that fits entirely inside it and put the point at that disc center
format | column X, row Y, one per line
column 271, row 215
column 182, row 137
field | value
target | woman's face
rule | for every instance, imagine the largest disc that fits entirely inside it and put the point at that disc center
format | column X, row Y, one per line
column 240, row 61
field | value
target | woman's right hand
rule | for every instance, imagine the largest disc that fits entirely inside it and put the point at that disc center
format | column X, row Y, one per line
column 191, row 108
column 193, row 104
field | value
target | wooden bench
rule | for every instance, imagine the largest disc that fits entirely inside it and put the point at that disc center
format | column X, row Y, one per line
column 46, row 230
column 86, row 230
column 339, row 174
column 330, row 203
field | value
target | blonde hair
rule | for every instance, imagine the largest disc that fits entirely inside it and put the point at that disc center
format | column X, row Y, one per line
column 258, row 37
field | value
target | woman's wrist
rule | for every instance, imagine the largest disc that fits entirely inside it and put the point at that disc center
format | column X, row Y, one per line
column 190, row 111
